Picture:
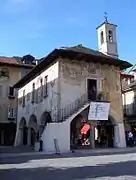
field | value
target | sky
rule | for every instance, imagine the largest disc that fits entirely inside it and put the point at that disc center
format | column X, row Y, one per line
column 38, row 26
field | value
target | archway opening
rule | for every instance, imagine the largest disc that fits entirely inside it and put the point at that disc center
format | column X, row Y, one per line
column 80, row 131
column 24, row 131
column 104, row 134
column 45, row 118
column 32, row 130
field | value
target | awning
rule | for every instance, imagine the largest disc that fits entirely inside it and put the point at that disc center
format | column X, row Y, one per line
column 85, row 128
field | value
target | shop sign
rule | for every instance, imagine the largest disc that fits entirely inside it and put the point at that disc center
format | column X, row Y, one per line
column 99, row 111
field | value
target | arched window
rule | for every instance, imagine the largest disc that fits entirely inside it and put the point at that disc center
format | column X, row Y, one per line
column 102, row 38
column 110, row 36
column 33, row 92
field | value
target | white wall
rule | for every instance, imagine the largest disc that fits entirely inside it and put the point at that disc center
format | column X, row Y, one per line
column 48, row 103
column 59, row 131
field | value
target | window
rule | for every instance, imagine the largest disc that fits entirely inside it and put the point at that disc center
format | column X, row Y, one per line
column 0, row 90
column 41, row 87
column 110, row 36
column 23, row 103
column 11, row 113
column 4, row 73
column 45, row 86
column 33, row 92
column 102, row 38
column 10, row 91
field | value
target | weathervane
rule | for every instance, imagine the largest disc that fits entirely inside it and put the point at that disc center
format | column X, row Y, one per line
column 105, row 16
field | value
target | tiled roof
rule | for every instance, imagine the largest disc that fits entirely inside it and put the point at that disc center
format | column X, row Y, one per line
column 8, row 60
column 82, row 49
column 77, row 52
column 126, row 74
column 11, row 61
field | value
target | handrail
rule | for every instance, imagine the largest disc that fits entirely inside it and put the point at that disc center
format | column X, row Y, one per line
column 64, row 113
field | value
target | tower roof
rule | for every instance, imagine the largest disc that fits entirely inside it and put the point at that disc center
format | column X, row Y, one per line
column 106, row 22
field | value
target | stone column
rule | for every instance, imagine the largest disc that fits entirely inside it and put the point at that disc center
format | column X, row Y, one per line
column 119, row 136
column 92, row 135
column 29, row 137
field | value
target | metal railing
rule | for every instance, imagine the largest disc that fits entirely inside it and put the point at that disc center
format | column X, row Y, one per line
column 64, row 113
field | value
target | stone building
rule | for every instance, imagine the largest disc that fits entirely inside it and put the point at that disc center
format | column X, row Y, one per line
column 54, row 98
column 11, row 71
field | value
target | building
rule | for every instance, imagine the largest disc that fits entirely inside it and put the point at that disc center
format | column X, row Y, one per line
column 129, row 99
column 11, row 71
column 54, row 98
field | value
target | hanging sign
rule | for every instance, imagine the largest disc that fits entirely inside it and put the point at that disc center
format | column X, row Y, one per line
column 99, row 111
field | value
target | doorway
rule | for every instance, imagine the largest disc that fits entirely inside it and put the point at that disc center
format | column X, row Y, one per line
column 104, row 134
column 92, row 89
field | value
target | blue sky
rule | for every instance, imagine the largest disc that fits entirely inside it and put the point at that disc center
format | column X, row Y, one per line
column 39, row 26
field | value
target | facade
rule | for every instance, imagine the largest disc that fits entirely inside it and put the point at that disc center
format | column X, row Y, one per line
column 11, row 71
column 54, row 99
column 129, row 99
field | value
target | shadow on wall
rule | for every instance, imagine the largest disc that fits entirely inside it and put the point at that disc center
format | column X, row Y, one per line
column 32, row 171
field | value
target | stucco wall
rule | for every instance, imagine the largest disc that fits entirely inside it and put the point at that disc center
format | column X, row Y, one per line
column 73, row 79
column 111, row 83
column 49, row 103
column 128, row 101
column 14, row 76
column 73, row 83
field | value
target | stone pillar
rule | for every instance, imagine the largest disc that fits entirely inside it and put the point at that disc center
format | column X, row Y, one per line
column 119, row 136
column 19, row 137
column 29, row 137
column 92, row 135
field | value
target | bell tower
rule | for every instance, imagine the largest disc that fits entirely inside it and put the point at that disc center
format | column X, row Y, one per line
column 107, row 42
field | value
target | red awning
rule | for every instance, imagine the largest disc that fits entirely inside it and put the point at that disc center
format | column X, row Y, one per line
column 85, row 128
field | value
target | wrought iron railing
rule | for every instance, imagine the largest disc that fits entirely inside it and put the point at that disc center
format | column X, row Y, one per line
column 64, row 113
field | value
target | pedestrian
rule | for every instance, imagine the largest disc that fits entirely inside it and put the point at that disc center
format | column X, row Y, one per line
column 130, row 139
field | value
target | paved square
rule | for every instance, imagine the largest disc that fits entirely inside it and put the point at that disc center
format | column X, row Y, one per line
column 103, row 167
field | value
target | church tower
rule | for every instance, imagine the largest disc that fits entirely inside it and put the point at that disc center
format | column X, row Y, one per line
column 107, row 42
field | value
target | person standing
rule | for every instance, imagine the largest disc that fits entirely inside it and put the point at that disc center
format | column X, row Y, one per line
column 130, row 138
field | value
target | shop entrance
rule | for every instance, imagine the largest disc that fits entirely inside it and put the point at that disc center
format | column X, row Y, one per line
column 104, row 134
column 80, row 133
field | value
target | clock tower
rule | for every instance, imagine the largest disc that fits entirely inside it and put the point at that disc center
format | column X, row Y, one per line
column 107, row 42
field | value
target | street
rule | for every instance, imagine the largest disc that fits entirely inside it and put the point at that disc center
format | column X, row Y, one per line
column 113, row 166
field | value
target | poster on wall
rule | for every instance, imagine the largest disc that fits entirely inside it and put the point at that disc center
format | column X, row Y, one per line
column 99, row 111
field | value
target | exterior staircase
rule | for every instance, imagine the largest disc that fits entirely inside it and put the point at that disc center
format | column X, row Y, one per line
column 61, row 125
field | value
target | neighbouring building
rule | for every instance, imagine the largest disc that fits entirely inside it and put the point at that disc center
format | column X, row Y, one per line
column 11, row 71
column 129, row 99
column 54, row 98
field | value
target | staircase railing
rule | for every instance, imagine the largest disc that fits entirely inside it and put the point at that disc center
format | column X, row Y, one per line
column 64, row 113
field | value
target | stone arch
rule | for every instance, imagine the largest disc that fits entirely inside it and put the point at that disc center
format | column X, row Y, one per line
column 23, row 131
column 33, row 129
column 45, row 118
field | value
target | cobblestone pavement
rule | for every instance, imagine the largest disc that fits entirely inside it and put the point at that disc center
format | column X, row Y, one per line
column 100, row 167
